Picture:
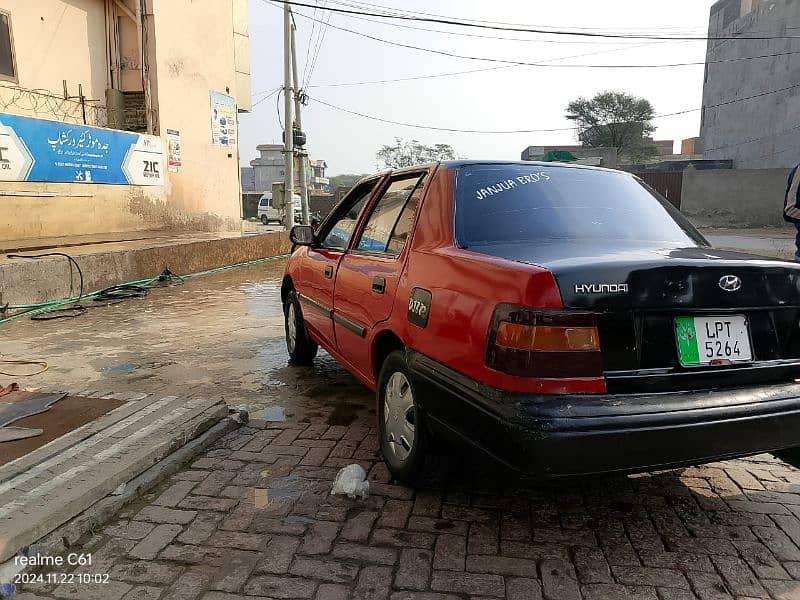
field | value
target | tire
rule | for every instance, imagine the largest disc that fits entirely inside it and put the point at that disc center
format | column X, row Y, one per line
column 790, row 456
column 401, row 428
column 301, row 348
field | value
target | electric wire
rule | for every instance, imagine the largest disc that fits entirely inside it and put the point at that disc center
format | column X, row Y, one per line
column 40, row 363
column 537, row 30
column 70, row 309
column 475, row 35
column 544, row 64
column 514, row 131
column 320, row 39
column 308, row 47
column 481, row 70
column 267, row 97
column 393, row 10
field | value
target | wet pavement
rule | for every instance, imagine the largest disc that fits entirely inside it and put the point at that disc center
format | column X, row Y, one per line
column 217, row 336
column 253, row 518
column 776, row 242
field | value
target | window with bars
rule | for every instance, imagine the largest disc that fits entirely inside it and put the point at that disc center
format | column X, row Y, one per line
column 8, row 67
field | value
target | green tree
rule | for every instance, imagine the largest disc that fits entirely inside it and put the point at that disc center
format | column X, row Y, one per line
column 407, row 153
column 345, row 180
column 615, row 120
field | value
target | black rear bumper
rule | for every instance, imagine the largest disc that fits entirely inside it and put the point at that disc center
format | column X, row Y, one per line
column 563, row 435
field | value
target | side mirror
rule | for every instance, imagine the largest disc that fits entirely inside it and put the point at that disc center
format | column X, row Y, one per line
column 302, row 235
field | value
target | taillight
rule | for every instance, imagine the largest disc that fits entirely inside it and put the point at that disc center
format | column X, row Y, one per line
column 544, row 343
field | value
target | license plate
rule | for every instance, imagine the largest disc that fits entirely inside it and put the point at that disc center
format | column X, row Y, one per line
column 713, row 340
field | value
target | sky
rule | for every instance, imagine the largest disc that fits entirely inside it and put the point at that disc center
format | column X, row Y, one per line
column 515, row 98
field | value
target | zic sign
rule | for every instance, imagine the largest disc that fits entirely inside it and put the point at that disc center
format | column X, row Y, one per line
column 42, row 150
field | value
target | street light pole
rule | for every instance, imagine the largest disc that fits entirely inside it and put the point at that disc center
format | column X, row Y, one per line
column 288, row 137
column 302, row 156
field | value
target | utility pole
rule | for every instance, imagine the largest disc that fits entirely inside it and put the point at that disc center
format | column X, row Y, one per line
column 301, row 151
column 288, row 134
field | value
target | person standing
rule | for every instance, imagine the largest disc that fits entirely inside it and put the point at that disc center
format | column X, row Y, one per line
column 791, row 206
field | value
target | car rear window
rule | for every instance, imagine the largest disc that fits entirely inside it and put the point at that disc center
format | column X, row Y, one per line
column 529, row 203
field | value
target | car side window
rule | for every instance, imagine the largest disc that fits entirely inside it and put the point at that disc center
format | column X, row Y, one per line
column 390, row 222
column 339, row 235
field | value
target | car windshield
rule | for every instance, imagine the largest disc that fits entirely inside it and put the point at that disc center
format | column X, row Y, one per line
column 533, row 203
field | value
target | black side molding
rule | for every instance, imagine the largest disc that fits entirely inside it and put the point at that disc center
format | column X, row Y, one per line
column 316, row 305
column 349, row 325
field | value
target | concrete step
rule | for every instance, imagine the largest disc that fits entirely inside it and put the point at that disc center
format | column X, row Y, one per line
column 106, row 263
column 53, row 484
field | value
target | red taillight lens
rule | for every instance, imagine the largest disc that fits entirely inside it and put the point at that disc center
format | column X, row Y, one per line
column 552, row 344
column 547, row 338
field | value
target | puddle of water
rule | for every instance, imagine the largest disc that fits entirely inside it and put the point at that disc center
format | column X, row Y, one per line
column 290, row 487
column 122, row 368
column 297, row 519
column 275, row 413
column 344, row 413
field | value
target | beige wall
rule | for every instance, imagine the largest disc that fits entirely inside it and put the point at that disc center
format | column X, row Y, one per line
column 32, row 210
column 195, row 56
column 56, row 40
column 193, row 51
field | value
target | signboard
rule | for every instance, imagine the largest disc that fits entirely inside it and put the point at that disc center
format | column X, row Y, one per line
column 174, row 147
column 42, row 150
column 223, row 119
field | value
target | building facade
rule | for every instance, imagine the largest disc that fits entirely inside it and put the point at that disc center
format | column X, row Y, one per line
column 751, row 108
column 269, row 168
column 319, row 183
column 109, row 82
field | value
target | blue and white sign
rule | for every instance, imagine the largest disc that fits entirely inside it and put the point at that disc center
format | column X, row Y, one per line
column 42, row 150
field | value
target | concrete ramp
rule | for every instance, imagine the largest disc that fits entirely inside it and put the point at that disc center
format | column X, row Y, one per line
column 51, row 485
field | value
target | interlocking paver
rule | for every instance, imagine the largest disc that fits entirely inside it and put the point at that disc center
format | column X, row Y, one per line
column 253, row 518
column 155, row 541
column 559, row 581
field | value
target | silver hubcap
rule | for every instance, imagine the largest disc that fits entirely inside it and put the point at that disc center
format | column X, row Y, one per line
column 399, row 416
column 291, row 328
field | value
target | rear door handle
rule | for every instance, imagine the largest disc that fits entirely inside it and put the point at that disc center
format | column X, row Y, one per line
column 379, row 285
column 328, row 271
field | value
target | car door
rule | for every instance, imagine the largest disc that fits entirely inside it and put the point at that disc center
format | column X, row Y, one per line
column 318, row 267
column 369, row 271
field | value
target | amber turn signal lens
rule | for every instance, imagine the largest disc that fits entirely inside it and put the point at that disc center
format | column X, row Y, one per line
column 547, row 338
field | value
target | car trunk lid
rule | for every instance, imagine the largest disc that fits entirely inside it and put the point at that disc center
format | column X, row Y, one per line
column 638, row 290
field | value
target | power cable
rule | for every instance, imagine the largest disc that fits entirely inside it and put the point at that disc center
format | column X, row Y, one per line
column 542, row 64
column 432, row 127
column 321, row 38
column 278, row 108
column 531, row 29
column 392, row 10
column 308, row 48
column 40, row 363
column 455, row 130
column 473, row 35
column 481, row 70
column 71, row 309
column 267, row 97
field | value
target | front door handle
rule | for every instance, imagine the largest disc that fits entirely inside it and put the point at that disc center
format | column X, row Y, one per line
column 379, row 285
column 328, row 271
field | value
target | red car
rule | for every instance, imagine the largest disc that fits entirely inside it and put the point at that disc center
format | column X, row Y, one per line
column 564, row 319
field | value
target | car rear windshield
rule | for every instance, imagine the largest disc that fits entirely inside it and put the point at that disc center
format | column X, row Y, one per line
column 533, row 203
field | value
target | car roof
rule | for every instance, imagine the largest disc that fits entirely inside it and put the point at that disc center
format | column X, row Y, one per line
column 454, row 164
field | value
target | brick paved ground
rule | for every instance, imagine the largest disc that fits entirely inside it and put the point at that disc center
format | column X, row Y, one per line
column 253, row 518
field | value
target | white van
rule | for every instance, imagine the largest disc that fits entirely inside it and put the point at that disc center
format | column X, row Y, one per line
column 268, row 213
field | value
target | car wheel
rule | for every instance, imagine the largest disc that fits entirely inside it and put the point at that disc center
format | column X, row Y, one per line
column 264, row 220
column 401, row 429
column 302, row 349
column 790, row 456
